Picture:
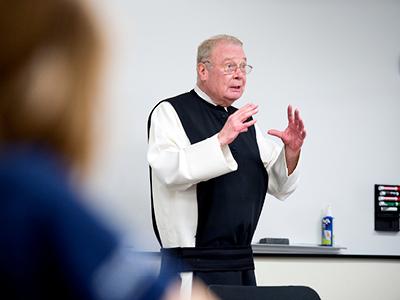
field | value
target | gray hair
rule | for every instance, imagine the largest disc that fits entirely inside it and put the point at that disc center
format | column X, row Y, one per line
column 205, row 48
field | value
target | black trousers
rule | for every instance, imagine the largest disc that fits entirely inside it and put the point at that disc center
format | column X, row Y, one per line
column 228, row 277
column 222, row 266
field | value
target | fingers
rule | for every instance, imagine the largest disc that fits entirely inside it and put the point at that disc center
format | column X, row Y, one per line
column 297, row 128
column 246, row 112
column 276, row 133
column 296, row 116
column 240, row 117
column 298, row 121
column 237, row 123
column 295, row 121
column 290, row 114
column 246, row 125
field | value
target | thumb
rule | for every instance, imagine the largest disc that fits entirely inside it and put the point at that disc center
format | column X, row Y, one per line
column 276, row 133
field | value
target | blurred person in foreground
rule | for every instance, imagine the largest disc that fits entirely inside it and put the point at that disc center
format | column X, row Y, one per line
column 52, row 247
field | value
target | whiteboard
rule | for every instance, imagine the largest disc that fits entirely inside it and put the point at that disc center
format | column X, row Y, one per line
column 337, row 61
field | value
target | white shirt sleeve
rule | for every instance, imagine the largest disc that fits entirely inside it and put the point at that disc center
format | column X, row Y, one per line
column 280, row 184
column 177, row 163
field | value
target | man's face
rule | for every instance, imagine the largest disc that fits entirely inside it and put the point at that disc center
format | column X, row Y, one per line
column 223, row 88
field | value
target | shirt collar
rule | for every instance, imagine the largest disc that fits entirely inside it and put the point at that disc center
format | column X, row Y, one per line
column 204, row 96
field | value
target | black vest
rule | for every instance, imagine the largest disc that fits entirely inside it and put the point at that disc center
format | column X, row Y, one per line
column 229, row 206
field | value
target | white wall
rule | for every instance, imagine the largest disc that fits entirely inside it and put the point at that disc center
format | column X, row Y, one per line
column 338, row 61
column 333, row 278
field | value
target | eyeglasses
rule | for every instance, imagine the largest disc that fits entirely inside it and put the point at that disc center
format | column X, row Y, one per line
column 231, row 67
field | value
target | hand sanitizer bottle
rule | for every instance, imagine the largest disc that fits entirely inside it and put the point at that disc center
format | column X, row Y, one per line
column 327, row 228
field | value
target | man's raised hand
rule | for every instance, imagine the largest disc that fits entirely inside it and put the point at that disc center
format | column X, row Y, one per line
column 237, row 123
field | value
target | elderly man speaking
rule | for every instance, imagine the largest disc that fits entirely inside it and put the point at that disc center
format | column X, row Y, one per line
column 211, row 168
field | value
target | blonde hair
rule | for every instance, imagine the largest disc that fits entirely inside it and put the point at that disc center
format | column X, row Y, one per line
column 48, row 61
column 206, row 47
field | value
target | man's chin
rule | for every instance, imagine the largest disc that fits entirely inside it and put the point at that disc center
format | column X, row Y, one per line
column 234, row 96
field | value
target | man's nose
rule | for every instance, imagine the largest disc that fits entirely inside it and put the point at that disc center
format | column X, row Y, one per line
column 238, row 73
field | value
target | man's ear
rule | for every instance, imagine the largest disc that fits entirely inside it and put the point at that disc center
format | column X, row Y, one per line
column 202, row 71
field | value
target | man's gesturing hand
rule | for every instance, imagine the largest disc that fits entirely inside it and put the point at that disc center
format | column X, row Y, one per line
column 237, row 123
column 294, row 135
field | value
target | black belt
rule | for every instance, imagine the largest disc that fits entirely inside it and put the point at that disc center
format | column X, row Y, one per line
column 190, row 259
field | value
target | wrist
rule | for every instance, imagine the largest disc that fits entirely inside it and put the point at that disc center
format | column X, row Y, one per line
column 292, row 158
column 222, row 141
column 292, row 154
